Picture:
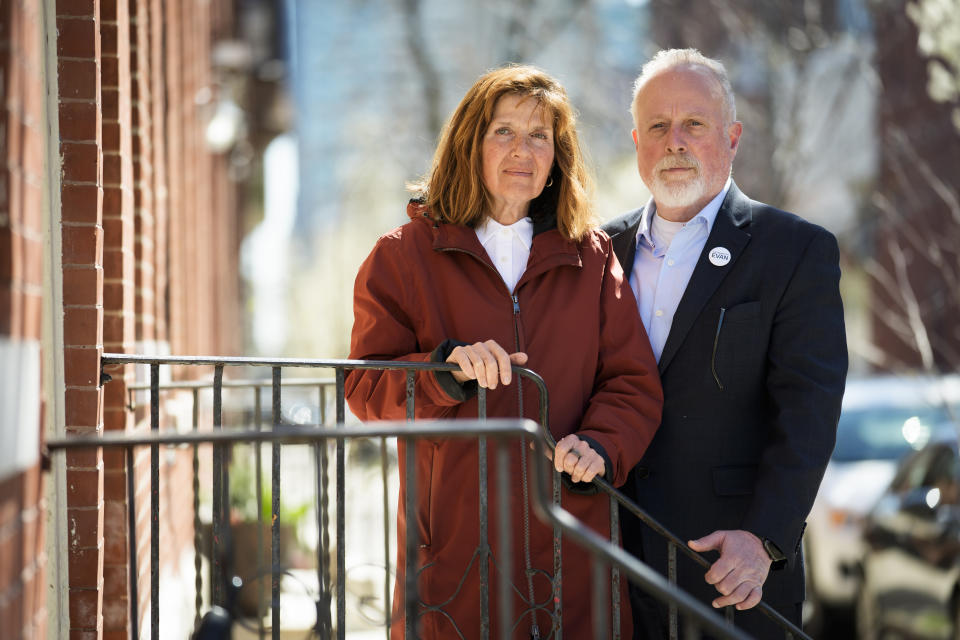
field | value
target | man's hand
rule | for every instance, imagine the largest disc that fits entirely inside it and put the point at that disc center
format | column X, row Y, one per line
column 486, row 362
column 577, row 458
column 740, row 571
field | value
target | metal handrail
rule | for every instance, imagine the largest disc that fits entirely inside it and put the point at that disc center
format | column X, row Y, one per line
column 552, row 512
column 493, row 428
column 619, row 498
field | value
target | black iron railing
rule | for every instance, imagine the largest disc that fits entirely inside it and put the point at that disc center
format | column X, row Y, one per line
column 611, row 560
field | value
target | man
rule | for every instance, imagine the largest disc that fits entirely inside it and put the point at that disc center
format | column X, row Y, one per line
column 742, row 307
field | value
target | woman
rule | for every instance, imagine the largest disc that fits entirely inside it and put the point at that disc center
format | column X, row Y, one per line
column 500, row 265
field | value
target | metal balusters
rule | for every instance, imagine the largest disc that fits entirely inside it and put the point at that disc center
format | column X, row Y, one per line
column 410, row 571
column 341, row 513
column 226, row 533
column 557, row 564
column 614, row 571
column 600, row 604
column 411, row 367
column 217, row 552
column 134, row 576
column 325, row 512
column 155, row 504
column 275, row 575
column 484, row 514
column 197, row 561
column 258, row 488
column 324, row 627
column 387, row 608
column 504, row 541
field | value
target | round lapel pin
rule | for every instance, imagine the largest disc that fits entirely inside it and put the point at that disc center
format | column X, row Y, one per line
column 719, row 256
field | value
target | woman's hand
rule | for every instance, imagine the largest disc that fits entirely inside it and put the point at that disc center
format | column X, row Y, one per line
column 577, row 458
column 486, row 362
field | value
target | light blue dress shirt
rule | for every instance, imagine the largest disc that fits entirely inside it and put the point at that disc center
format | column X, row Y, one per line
column 660, row 274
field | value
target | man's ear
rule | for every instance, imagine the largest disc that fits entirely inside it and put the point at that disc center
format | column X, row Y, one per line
column 636, row 139
column 735, row 131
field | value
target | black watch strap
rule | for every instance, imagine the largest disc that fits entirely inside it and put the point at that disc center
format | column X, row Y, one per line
column 779, row 561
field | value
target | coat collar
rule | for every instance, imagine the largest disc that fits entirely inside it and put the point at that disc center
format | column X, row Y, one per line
column 548, row 251
column 729, row 231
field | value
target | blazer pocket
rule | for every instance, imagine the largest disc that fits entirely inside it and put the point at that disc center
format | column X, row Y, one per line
column 742, row 311
column 736, row 480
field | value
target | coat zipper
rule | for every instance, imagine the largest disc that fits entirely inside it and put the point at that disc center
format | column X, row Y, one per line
column 534, row 627
column 516, row 346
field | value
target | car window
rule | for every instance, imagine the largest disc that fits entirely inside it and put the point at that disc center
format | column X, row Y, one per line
column 885, row 433
column 913, row 471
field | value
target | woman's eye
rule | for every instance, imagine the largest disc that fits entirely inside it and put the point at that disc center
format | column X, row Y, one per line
column 540, row 134
column 502, row 131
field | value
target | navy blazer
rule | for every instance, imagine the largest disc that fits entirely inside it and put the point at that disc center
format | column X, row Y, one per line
column 752, row 399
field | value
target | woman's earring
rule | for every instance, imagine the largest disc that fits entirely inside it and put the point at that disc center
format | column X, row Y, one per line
column 549, row 183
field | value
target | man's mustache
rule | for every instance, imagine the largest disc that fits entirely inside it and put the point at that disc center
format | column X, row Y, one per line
column 678, row 161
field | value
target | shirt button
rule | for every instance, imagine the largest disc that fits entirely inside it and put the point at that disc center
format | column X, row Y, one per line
column 503, row 260
column 670, row 262
column 658, row 312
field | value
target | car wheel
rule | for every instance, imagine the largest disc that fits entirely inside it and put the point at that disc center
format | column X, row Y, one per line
column 867, row 623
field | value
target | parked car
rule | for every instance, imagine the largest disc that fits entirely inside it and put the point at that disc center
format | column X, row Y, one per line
column 911, row 565
column 881, row 420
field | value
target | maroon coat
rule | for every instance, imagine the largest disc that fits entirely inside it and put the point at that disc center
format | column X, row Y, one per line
column 575, row 316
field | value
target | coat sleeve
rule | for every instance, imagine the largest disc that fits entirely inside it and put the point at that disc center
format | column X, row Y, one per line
column 624, row 411
column 806, row 373
column 383, row 329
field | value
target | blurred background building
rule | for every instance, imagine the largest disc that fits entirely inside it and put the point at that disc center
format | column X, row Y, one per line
column 205, row 177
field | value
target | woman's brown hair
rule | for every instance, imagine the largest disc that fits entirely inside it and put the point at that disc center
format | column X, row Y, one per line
column 454, row 189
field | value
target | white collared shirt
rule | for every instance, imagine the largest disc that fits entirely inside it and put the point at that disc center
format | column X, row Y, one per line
column 507, row 246
column 661, row 271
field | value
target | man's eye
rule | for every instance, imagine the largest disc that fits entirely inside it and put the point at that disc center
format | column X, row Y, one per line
column 657, row 125
column 696, row 123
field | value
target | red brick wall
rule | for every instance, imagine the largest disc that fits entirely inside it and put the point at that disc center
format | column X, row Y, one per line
column 81, row 147
column 149, row 261
column 22, row 505
column 150, row 264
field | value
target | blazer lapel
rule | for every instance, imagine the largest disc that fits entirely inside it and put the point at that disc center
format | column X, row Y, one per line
column 625, row 242
column 727, row 232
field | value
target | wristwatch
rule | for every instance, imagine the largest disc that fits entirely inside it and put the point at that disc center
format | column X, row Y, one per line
column 779, row 561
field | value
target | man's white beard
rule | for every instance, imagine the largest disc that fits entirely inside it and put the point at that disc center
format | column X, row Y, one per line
column 676, row 194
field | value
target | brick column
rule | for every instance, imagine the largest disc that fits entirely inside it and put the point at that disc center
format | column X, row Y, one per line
column 78, row 53
column 120, row 320
column 144, row 228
